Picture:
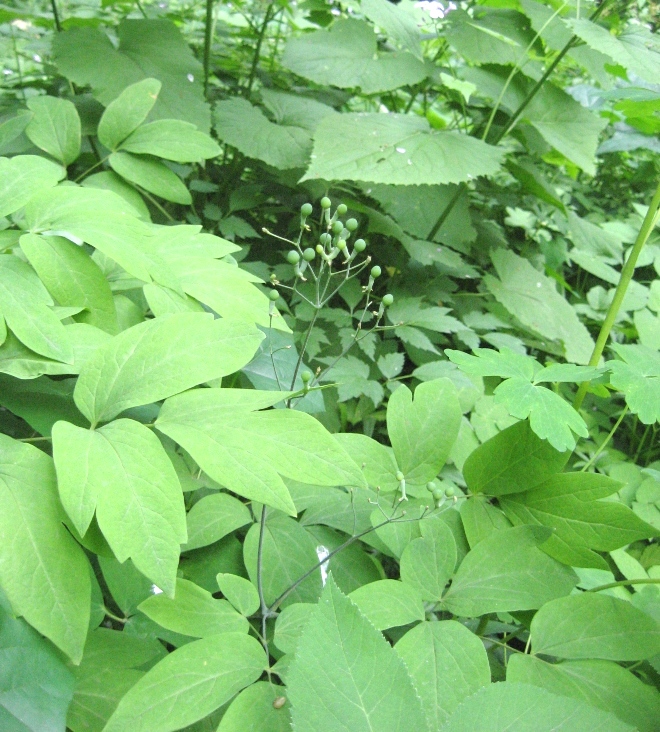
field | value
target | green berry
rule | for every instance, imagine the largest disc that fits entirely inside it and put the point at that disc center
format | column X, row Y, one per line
column 352, row 224
column 342, row 209
column 388, row 300
column 325, row 239
column 450, row 491
column 306, row 376
column 325, row 202
column 309, row 254
column 360, row 245
column 341, row 245
column 337, row 227
column 273, row 295
column 376, row 271
column 293, row 257
column 431, row 486
column 319, row 249
column 399, row 476
column 306, row 209
column 438, row 494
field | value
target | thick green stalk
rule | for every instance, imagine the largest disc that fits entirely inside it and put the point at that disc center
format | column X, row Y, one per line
column 626, row 275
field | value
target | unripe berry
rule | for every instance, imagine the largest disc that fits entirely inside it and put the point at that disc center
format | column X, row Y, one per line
column 293, row 257
column 306, row 209
column 341, row 245
column 325, row 239
column 399, row 476
column 360, row 245
column 352, row 224
column 325, row 202
column 431, row 486
column 309, row 254
column 306, row 376
column 438, row 494
column 337, row 227
column 376, row 271
column 342, row 209
column 273, row 295
column 319, row 249
column 388, row 300
column 449, row 491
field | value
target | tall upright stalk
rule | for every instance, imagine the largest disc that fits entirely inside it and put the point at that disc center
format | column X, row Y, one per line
column 257, row 51
column 208, row 39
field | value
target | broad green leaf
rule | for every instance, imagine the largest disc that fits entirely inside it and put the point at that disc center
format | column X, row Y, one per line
column 447, row 663
column 36, row 687
column 127, row 585
column 247, row 128
column 513, row 461
column 108, row 180
column 290, row 624
column 398, row 149
column 247, row 451
column 347, row 56
column 480, row 519
column 55, row 127
column 423, row 431
column 532, row 298
column 97, row 695
column 566, row 372
column 602, row 684
column 288, row 554
column 147, row 49
column 568, row 504
column 253, row 709
column 213, row 517
column 638, row 377
column 362, row 684
column 635, row 48
column 395, row 535
column 397, row 22
column 11, row 128
column 163, row 301
column 427, row 563
column 127, row 112
column 25, row 304
column 189, row 683
column 511, row 706
column 171, row 139
column 507, row 571
column 152, row 175
column 376, row 461
column 389, row 603
column 241, row 593
column 591, row 625
column 504, row 363
column 72, row 278
column 193, row 611
column 122, row 472
column 43, row 571
column 23, row 176
column 115, row 648
column 161, row 357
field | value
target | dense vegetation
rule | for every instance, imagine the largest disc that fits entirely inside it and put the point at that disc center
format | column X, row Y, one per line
column 329, row 366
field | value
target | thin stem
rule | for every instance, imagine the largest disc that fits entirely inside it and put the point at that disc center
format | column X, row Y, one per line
column 606, row 441
column 303, row 348
column 208, row 39
column 34, row 439
column 448, row 209
column 152, row 200
column 257, row 51
column 623, row 583
column 56, row 16
column 626, row 276
column 114, row 617
column 260, row 584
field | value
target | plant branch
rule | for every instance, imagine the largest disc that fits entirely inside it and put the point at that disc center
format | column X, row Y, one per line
column 260, row 584
column 623, row 583
column 56, row 16
column 208, row 38
column 257, row 51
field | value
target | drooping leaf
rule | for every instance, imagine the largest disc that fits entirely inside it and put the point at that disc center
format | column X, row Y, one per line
column 161, row 357
column 344, row 694
column 254, row 709
column 152, row 175
column 507, row 571
column 241, row 593
column 147, row 49
column 389, row 603
column 638, row 377
column 396, row 149
column 43, row 571
column 127, row 112
column 55, row 127
column 190, row 683
column 122, row 472
column 591, row 625
column 447, row 663
column 397, row 21
column 171, row 139
column 213, row 517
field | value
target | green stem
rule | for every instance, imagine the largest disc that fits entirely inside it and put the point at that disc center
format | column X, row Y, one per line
column 208, row 38
column 257, row 51
column 626, row 276
column 34, row 439
column 448, row 209
column 623, row 583
column 605, row 442
column 56, row 16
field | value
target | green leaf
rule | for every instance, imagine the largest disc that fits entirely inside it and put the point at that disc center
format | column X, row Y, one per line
column 510, row 706
column 343, row 693
column 290, row 624
column 118, row 649
column 568, row 504
column 127, row 112
column 347, row 56
column 423, row 431
column 127, row 585
column 513, row 461
column 247, row 128
column 36, row 687
column 171, row 139
column 480, row 519
column 55, row 127
column 23, row 176
column 507, row 571
column 246, row 451
column 152, row 175
column 161, row 357
column 147, row 49
column 43, row 570
column 72, row 278
column 504, row 363
column 602, row 684
column 288, row 554
column 447, row 663
column 241, row 593
column 97, row 695
column 398, row 149
column 190, row 683
column 427, row 563
column 376, row 461
column 591, row 625
column 122, row 472
column 25, row 304
column 389, row 603
column 213, row 517
column 397, row 22
column 638, row 377
column 193, row 611
column 253, row 710
column 11, row 128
